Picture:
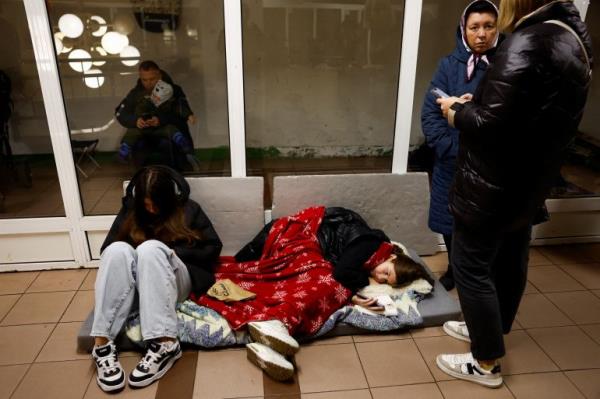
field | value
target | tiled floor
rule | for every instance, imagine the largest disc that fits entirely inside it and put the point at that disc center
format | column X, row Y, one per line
column 553, row 351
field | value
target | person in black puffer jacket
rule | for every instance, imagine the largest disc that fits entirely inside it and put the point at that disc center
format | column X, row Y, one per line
column 513, row 137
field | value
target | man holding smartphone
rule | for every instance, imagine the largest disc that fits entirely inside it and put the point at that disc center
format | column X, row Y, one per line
column 156, row 114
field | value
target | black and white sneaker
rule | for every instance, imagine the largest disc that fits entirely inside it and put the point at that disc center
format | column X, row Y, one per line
column 109, row 372
column 465, row 367
column 156, row 362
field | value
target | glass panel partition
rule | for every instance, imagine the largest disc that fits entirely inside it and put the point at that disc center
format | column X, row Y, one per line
column 28, row 179
column 125, row 112
column 581, row 174
column 321, row 81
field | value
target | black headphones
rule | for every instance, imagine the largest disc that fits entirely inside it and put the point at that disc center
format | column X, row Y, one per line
column 182, row 188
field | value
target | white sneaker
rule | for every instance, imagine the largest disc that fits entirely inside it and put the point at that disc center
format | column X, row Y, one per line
column 109, row 372
column 457, row 329
column 156, row 362
column 465, row 367
column 275, row 335
column 271, row 362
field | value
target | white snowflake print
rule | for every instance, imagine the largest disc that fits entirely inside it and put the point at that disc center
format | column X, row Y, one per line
column 279, row 295
column 248, row 308
column 252, row 269
column 247, row 285
column 303, row 278
column 300, row 305
column 300, row 294
column 340, row 294
column 323, row 304
column 316, row 324
column 306, row 266
column 280, row 285
column 327, row 279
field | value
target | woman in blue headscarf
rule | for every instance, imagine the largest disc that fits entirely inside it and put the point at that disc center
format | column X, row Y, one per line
column 457, row 74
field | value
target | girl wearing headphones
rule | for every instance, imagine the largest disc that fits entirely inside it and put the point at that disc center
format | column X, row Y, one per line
column 161, row 247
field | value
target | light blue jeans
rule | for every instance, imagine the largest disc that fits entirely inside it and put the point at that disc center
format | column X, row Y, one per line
column 151, row 278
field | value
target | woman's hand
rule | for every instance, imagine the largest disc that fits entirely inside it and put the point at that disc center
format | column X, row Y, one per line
column 367, row 303
column 446, row 103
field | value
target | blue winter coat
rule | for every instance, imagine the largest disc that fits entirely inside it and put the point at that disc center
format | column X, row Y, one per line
column 443, row 139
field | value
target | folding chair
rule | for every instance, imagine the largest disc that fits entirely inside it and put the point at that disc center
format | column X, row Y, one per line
column 85, row 149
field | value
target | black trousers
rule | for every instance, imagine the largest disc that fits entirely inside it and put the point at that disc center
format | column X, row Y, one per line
column 490, row 272
column 448, row 243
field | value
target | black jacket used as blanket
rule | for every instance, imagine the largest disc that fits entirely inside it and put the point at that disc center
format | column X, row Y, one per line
column 346, row 240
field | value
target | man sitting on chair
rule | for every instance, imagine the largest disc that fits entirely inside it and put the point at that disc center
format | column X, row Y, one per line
column 156, row 113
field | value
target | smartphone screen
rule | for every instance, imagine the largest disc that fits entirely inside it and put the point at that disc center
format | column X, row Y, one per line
column 439, row 93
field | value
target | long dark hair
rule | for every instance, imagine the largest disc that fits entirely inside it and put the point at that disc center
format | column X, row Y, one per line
column 408, row 270
column 168, row 224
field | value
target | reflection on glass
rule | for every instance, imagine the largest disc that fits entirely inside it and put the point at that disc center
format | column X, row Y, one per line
column 321, row 82
column 580, row 176
column 28, row 180
column 99, row 69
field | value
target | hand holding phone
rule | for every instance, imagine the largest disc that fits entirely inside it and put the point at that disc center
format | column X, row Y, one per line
column 439, row 93
column 367, row 303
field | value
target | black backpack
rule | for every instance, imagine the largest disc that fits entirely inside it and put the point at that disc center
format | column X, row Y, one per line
column 6, row 104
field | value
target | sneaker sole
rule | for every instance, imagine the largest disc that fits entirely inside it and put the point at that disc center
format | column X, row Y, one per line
column 492, row 383
column 454, row 334
column 157, row 376
column 274, row 370
column 111, row 388
column 285, row 348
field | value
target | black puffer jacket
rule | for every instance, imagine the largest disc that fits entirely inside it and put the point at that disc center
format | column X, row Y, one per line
column 346, row 240
column 340, row 228
column 202, row 255
column 523, row 115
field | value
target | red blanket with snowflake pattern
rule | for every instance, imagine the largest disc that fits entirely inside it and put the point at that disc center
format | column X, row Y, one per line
column 292, row 281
